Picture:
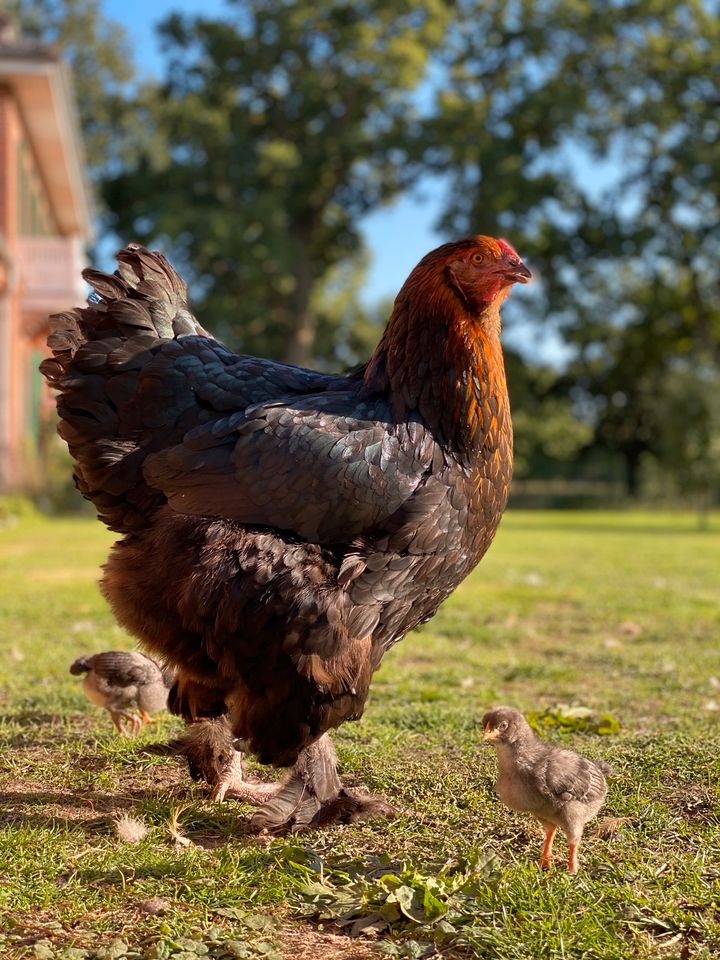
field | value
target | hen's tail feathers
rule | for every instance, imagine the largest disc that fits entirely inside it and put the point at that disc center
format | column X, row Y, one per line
column 145, row 298
column 81, row 665
column 101, row 354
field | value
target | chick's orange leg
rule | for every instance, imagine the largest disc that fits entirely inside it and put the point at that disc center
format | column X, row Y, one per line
column 572, row 859
column 145, row 717
column 546, row 857
column 117, row 720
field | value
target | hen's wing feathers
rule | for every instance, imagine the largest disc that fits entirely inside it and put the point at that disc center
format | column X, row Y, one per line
column 153, row 408
column 136, row 372
column 327, row 467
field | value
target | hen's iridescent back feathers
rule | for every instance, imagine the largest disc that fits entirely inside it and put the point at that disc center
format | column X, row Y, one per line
column 136, row 373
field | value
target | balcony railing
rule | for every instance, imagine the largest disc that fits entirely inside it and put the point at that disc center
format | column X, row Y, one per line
column 49, row 274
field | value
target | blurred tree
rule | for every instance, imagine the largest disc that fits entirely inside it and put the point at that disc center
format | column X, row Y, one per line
column 285, row 123
column 688, row 459
column 347, row 328
column 597, row 155
column 548, row 433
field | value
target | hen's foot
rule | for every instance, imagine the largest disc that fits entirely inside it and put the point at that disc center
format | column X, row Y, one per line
column 253, row 791
column 295, row 809
column 312, row 796
column 250, row 791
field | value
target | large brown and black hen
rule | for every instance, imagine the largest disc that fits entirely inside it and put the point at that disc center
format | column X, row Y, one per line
column 282, row 528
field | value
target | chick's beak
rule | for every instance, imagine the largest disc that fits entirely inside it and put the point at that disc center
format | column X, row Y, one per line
column 489, row 733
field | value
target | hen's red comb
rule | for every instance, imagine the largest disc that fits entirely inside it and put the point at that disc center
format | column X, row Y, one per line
column 506, row 248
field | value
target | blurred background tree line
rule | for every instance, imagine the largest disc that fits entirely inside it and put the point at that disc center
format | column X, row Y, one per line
column 585, row 131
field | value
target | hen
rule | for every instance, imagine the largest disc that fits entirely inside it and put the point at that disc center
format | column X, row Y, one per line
column 282, row 528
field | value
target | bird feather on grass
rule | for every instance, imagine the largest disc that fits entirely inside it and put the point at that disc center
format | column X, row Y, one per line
column 129, row 829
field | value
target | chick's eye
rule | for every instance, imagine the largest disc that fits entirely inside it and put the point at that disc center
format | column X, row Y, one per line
column 503, row 725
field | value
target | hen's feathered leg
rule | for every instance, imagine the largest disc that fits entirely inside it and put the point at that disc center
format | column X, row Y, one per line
column 312, row 795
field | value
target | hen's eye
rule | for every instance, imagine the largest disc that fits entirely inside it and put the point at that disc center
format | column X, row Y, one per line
column 477, row 258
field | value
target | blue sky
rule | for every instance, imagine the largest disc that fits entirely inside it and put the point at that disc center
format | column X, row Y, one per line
column 397, row 236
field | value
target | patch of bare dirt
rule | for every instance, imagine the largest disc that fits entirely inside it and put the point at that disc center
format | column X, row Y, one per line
column 294, row 940
column 304, row 943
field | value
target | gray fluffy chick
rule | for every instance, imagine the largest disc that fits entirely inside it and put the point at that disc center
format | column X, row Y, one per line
column 560, row 788
column 129, row 685
column 210, row 750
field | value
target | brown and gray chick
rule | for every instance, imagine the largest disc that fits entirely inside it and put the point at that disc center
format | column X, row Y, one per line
column 213, row 756
column 129, row 685
column 559, row 787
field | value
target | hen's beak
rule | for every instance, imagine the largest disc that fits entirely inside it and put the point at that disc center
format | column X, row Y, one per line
column 489, row 733
column 517, row 272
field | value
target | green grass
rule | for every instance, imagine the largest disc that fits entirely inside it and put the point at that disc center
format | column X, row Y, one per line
column 616, row 612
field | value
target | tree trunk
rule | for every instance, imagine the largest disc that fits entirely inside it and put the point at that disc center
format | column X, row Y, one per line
column 632, row 471
column 301, row 339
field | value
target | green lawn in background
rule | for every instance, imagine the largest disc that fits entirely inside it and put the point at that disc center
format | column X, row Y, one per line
column 615, row 612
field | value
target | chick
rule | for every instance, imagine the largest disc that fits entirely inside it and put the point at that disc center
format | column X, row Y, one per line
column 212, row 755
column 124, row 682
column 558, row 787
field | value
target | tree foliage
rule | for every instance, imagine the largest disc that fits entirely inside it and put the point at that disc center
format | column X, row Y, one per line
column 598, row 156
column 584, row 131
column 284, row 124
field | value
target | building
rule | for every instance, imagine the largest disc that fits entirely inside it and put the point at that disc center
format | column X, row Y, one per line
column 45, row 224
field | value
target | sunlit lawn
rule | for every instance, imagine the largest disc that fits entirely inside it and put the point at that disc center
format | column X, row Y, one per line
column 616, row 612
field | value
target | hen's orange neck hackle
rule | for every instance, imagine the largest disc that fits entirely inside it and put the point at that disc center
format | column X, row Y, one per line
column 442, row 360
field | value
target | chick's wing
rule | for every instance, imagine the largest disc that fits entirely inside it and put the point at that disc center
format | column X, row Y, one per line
column 563, row 776
column 124, row 669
